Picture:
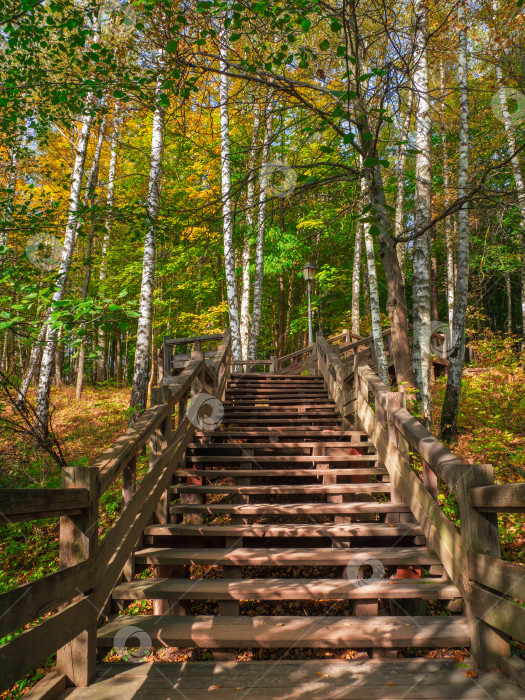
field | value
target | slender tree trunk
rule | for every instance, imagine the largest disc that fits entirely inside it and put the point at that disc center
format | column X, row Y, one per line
column 518, row 179
column 508, row 288
column 291, row 281
column 280, row 345
column 356, row 279
column 400, row 194
column 118, row 358
column 48, row 355
column 253, row 350
column 421, row 277
column 59, row 360
column 375, row 312
column 449, row 414
column 89, row 197
column 246, row 248
column 449, row 244
column 227, row 214
column 139, row 391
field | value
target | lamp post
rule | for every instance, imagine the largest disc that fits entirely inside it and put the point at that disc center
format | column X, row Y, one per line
column 309, row 271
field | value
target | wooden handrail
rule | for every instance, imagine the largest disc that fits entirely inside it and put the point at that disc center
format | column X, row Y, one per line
column 96, row 576
column 33, row 504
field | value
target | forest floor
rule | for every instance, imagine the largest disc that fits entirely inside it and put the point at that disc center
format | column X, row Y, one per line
column 492, row 426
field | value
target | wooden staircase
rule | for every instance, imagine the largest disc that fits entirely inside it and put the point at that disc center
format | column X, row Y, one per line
column 287, row 492
column 293, row 551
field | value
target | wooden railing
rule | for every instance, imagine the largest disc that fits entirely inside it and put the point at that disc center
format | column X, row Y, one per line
column 89, row 570
column 171, row 363
column 418, row 464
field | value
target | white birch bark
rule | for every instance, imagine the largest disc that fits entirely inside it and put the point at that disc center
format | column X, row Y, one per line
column 139, row 390
column 373, row 288
column 261, row 225
column 89, row 197
column 227, row 214
column 246, row 252
column 48, row 355
column 452, row 398
column 400, row 193
column 518, row 179
column 450, row 280
column 421, row 279
column 356, row 279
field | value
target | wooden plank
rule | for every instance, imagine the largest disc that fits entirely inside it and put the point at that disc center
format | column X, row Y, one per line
column 514, row 667
column 291, row 489
column 30, row 504
column 25, row 652
column 311, row 509
column 281, row 459
column 348, row 530
column 49, row 687
column 211, row 631
column 287, row 472
column 498, row 498
column 274, row 445
column 193, row 339
column 275, row 556
column 499, row 612
column 282, row 589
column 503, row 576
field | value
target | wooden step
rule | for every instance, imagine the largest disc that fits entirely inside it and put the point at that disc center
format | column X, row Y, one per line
column 310, row 509
column 277, row 378
column 301, row 420
column 280, row 459
column 265, row 473
column 283, row 589
column 291, row 489
column 284, row 530
column 372, row 679
column 271, row 632
column 275, row 556
column 275, row 445
column 288, row 431
column 286, row 406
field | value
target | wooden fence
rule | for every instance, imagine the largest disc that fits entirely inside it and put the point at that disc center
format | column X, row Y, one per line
column 79, row 592
column 471, row 557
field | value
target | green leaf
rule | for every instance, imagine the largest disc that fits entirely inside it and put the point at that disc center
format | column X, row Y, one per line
column 335, row 26
column 370, row 162
column 324, row 45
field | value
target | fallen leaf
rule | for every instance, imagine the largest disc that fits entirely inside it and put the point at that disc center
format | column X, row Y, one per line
column 471, row 674
column 281, row 624
column 390, row 683
column 241, row 687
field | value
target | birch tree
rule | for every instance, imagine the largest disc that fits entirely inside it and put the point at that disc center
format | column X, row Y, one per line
column 356, row 279
column 399, row 221
column 246, row 249
column 89, row 198
column 139, row 390
column 227, row 214
column 450, row 274
column 421, row 281
column 449, row 414
column 518, row 177
column 110, row 199
column 382, row 367
column 261, row 226
column 48, row 354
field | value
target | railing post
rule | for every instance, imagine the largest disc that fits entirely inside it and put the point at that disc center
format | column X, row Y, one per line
column 480, row 533
column 166, row 359
column 78, row 541
column 395, row 401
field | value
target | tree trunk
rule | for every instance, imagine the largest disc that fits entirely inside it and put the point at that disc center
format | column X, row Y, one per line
column 356, row 279
column 421, row 278
column 508, row 288
column 518, row 179
column 59, row 360
column 253, row 350
column 400, row 194
column 48, row 355
column 281, row 343
column 449, row 414
column 382, row 368
column 89, row 197
column 227, row 214
column 118, row 358
column 139, row 391
column 451, row 277
column 246, row 249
